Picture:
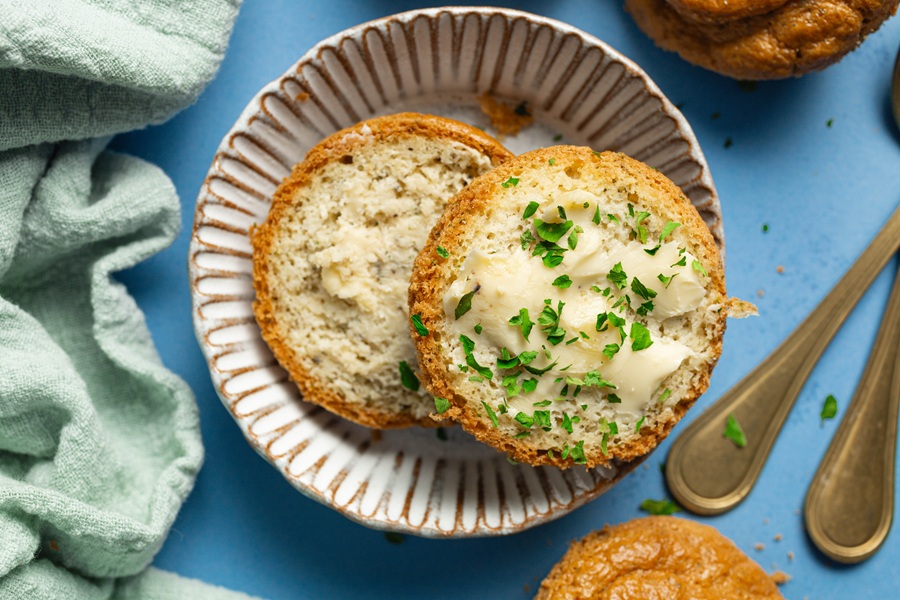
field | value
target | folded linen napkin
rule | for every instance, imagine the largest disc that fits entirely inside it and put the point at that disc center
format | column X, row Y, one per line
column 99, row 443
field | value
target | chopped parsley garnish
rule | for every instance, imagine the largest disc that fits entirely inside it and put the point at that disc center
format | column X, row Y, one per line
column 734, row 432
column 478, row 328
column 593, row 378
column 524, row 420
column 441, row 405
column 697, row 266
column 617, row 276
column 530, row 209
column 669, row 228
column 561, row 212
column 641, row 290
column 665, row 395
column 601, row 322
column 562, row 282
column 490, row 413
column 551, row 254
column 542, row 419
column 543, row 403
column 645, row 308
column 568, row 421
column 765, row 227
column 468, row 347
column 640, row 337
column 523, row 321
column 552, row 232
column 577, row 453
column 613, row 398
column 681, row 262
column 637, row 426
column 512, row 181
column 551, row 162
column 417, row 324
column 557, row 137
column 596, row 218
column 407, row 378
column 442, row 252
column 829, row 123
column 465, row 304
column 549, row 321
column 572, row 240
column 660, row 507
column 539, row 372
column 610, row 350
column 526, row 239
column 529, row 385
column 666, row 280
column 507, row 360
column 829, row 408
column 527, row 356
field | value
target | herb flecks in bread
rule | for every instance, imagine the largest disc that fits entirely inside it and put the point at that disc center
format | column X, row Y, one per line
column 578, row 312
column 332, row 260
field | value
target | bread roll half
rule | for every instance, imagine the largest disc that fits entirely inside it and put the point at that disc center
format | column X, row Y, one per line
column 331, row 262
column 575, row 305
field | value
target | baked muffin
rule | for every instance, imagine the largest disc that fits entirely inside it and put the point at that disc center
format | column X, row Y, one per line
column 794, row 38
column 331, row 262
column 657, row 557
column 573, row 304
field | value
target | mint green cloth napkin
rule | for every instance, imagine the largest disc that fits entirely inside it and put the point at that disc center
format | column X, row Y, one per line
column 99, row 443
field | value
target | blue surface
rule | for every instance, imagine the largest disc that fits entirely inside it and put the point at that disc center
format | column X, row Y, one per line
column 822, row 190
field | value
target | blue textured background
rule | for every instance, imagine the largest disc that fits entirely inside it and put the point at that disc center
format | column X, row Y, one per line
column 823, row 191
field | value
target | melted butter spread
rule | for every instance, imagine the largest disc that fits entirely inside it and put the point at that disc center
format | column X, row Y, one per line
column 505, row 282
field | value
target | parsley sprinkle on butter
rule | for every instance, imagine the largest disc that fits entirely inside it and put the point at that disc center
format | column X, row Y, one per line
column 530, row 209
column 640, row 337
column 617, row 276
column 562, row 282
column 734, row 432
column 523, row 322
column 552, row 232
column 407, row 378
column 417, row 324
column 512, row 181
column 465, row 305
column 669, row 228
column 442, row 252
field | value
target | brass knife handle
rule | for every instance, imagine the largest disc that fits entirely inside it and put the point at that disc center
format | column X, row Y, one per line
column 707, row 473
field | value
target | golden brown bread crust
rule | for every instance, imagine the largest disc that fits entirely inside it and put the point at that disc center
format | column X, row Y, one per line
column 797, row 37
column 333, row 148
column 657, row 557
column 719, row 11
column 431, row 278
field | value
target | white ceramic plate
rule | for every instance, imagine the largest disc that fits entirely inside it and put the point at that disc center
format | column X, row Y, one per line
column 439, row 61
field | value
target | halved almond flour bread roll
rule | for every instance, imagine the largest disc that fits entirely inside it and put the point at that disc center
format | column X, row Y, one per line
column 574, row 304
column 331, row 262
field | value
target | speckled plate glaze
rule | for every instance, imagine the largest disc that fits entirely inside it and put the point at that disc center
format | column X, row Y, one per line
column 439, row 61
